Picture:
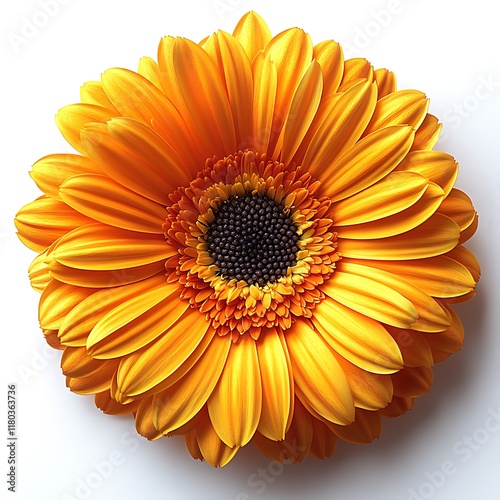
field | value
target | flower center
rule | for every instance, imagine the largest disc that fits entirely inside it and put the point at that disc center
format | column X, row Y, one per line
column 253, row 239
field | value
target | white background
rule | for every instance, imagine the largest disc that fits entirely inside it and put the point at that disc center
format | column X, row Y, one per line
column 447, row 49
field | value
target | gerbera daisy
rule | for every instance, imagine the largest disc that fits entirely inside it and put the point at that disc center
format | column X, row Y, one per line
column 256, row 242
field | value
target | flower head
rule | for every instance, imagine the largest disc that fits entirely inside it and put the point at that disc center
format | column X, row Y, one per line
column 256, row 242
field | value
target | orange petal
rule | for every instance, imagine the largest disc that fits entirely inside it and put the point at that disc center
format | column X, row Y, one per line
column 323, row 441
column 355, row 71
column 204, row 96
column 96, row 382
column 144, row 420
column 412, row 382
column 99, row 197
column 109, row 406
column 319, row 379
column 99, row 247
column 149, row 69
column 135, row 156
column 236, row 403
column 386, row 82
column 366, row 427
column 451, row 340
column 427, row 134
column 458, row 207
column 413, row 346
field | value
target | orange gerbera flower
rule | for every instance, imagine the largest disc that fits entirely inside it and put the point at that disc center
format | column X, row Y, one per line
column 256, row 243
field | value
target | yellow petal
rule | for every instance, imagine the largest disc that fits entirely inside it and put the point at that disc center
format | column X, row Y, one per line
column 99, row 197
column 181, row 402
column 430, row 316
column 437, row 276
column 78, row 323
column 39, row 271
column 148, row 68
column 98, row 381
column 368, row 161
column 253, row 33
column 109, row 406
column 93, row 93
column 276, row 387
column 358, row 338
column 329, row 56
column 137, row 322
column 391, row 195
column 355, row 71
column 147, row 367
column 458, row 206
column 99, row 247
column 427, row 134
column 71, row 119
column 236, row 403
column 319, row 379
column 342, row 127
column 438, row 167
column 371, row 298
column 405, row 107
column 45, row 220
column 76, row 362
column 144, row 421
column 436, row 236
column 386, row 82
column 51, row 171
column 398, row 223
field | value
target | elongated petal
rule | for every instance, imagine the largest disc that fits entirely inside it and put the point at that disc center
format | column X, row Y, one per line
column 137, row 322
column 323, row 441
column 391, row 195
column 98, row 381
column 430, row 315
column 104, row 200
column 276, row 393
column 78, row 323
column 468, row 259
column 149, row 366
column 45, row 220
column 413, row 346
column 109, row 406
column 204, row 96
column 437, row 276
column 412, row 382
column 366, row 427
column 236, row 403
column 368, row 161
column 104, row 279
column 136, row 97
column 427, row 134
column 93, row 93
column 319, row 379
column 264, row 70
column 329, row 56
column 291, row 51
column 253, row 33
column 136, row 157
column 303, row 108
column 451, row 340
column 144, row 421
column 398, row 223
column 57, row 300
column 386, row 82
column 39, row 271
column 458, row 206
column 371, row 298
column 343, row 126
column 405, row 107
column 51, row 171
column 181, row 402
column 148, row 68
column 71, row 120
column 358, row 338
column 102, row 248
column 436, row 236
column 436, row 166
